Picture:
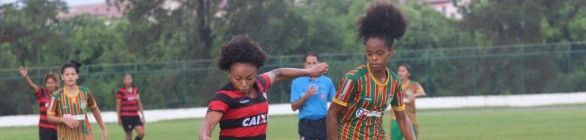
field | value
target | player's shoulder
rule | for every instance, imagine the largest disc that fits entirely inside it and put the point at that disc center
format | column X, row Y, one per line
column 300, row 79
column 84, row 89
column 394, row 75
column 356, row 73
column 326, row 78
column 414, row 82
column 227, row 91
column 57, row 93
column 264, row 79
column 120, row 90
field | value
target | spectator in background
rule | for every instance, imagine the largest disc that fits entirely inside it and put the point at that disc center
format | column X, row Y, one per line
column 310, row 95
column 412, row 90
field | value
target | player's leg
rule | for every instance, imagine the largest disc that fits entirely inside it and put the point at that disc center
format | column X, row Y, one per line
column 416, row 129
column 322, row 129
column 396, row 131
column 300, row 129
column 139, row 128
column 128, row 126
column 139, row 132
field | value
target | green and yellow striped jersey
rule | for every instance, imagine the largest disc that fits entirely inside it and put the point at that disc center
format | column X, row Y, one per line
column 74, row 105
column 365, row 100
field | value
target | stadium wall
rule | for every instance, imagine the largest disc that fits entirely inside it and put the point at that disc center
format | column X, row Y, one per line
column 285, row 109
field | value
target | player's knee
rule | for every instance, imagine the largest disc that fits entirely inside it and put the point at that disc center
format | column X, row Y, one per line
column 140, row 132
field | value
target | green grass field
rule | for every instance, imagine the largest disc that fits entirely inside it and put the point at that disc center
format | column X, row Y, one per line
column 567, row 122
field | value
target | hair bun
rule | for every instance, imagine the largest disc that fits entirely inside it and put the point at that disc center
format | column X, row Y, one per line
column 384, row 20
column 77, row 64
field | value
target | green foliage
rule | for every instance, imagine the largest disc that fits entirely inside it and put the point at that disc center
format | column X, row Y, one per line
column 171, row 51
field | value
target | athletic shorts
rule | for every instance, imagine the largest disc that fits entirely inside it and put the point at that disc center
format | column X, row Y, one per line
column 47, row 134
column 128, row 123
column 313, row 129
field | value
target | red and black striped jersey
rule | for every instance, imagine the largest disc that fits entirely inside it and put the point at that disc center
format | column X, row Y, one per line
column 243, row 117
column 43, row 97
column 129, row 101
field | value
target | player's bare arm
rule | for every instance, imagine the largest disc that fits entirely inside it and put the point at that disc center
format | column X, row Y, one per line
column 288, row 73
column 210, row 121
column 405, row 125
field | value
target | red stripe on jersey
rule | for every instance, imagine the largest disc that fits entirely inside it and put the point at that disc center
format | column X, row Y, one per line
column 49, row 126
column 128, row 101
column 128, row 114
column 243, row 116
column 243, row 112
column 244, row 131
column 43, row 98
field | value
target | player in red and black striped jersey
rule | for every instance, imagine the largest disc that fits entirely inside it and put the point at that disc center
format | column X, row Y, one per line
column 241, row 106
column 47, row 131
column 128, row 105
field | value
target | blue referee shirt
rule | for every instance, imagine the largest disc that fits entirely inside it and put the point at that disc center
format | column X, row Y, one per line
column 315, row 107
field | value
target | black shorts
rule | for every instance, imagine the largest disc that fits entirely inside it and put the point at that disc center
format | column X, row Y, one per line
column 128, row 123
column 313, row 129
column 47, row 134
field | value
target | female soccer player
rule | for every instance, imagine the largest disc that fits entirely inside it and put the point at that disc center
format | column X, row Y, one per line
column 241, row 106
column 47, row 131
column 128, row 105
column 68, row 107
column 364, row 93
column 412, row 90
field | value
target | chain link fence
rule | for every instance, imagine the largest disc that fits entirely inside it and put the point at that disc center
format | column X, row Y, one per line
column 496, row 70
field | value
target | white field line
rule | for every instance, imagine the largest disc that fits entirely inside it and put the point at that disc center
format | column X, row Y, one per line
column 285, row 109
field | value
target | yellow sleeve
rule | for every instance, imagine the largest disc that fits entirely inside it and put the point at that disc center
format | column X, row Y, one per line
column 339, row 102
column 419, row 89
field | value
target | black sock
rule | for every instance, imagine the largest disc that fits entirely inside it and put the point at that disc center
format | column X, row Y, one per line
column 137, row 138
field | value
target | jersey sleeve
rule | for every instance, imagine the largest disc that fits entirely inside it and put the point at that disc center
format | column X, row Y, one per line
column 54, row 105
column 332, row 91
column 39, row 93
column 296, row 91
column 219, row 103
column 91, row 100
column 419, row 89
column 265, row 81
column 397, row 102
column 118, row 94
column 346, row 89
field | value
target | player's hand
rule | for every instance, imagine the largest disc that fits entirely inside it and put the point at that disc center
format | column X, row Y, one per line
column 142, row 120
column 23, row 71
column 411, row 98
column 318, row 69
column 70, row 121
column 104, row 134
column 311, row 91
column 119, row 121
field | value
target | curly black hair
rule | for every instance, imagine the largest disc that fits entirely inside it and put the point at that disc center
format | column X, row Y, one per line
column 382, row 20
column 241, row 49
